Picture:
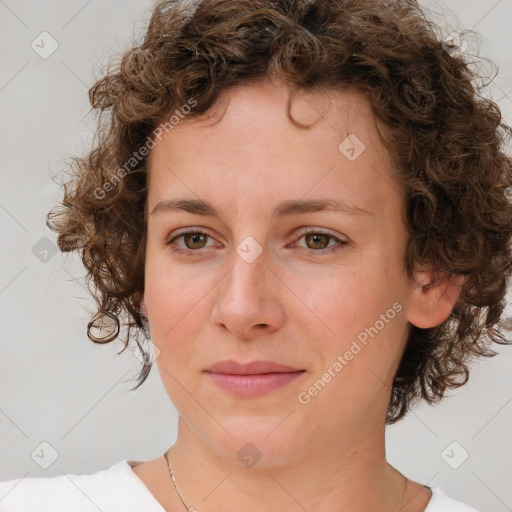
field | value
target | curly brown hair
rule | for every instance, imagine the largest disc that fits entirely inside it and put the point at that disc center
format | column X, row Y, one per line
column 447, row 143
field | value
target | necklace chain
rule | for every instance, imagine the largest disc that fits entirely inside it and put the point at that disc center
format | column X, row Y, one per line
column 189, row 509
column 192, row 509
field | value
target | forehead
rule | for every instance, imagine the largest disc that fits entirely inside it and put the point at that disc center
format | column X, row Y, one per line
column 243, row 113
column 247, row 146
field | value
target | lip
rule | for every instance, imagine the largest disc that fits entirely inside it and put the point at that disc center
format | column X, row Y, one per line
column 252, row 379
column 253, row 368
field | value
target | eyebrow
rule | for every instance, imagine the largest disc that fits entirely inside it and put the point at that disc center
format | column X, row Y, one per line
column 283, row 209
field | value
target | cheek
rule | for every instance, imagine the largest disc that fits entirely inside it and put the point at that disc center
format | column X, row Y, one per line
column 348, row 302
column 174, row 306
column 358, row 361
column 357, row 313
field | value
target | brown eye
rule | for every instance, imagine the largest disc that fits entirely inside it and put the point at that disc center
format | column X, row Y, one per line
column 317, row 240
column 319, row 243
column 194, row 240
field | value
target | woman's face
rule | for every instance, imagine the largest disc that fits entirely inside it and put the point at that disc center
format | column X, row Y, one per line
column 252, row 285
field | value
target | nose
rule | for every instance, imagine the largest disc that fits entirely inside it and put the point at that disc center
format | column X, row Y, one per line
column 249, row 298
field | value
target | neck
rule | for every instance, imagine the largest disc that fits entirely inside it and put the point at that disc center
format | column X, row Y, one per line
column 350, row 473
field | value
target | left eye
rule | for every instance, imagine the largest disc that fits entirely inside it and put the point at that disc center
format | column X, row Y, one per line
column 319, row 238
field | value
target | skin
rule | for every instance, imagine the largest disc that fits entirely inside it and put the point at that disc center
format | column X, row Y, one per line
column 292, row 304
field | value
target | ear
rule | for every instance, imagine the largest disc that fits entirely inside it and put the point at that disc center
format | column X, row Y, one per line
column 433, row 298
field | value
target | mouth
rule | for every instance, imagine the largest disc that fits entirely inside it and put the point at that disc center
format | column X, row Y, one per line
column 252, row 379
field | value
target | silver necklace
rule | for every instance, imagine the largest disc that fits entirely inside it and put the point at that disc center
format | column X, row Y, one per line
column 189, row 509
column 192, row 509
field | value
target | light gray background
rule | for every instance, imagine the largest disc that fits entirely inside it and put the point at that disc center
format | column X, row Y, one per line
column 60, row 388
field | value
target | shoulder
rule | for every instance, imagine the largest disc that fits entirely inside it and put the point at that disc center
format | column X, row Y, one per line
column 115, row 489
column 440, row 502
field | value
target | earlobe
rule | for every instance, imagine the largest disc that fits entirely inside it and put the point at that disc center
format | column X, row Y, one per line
column 433, row 299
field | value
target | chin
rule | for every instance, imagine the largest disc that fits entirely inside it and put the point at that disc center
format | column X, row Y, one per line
column 262, row 441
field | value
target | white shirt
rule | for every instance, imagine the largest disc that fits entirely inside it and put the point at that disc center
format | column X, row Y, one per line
column 117, row 489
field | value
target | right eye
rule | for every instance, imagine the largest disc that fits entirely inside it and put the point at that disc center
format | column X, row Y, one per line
column 194, row 241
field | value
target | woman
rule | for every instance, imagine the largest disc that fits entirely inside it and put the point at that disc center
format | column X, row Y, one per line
column 306, row 205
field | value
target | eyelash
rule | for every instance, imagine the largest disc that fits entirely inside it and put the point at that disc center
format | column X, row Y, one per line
column 304, row 233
